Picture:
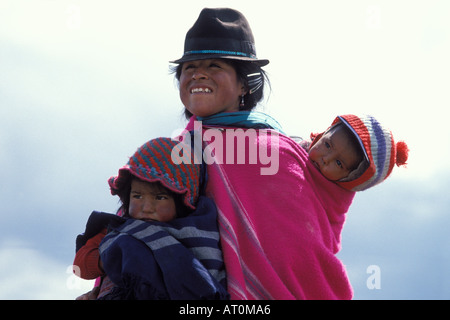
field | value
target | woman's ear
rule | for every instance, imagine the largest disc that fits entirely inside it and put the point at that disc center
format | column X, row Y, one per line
column 244, row 90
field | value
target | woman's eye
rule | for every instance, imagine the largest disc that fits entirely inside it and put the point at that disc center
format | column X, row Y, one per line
column 137, row 196
column 162, row 197
column 327, row 145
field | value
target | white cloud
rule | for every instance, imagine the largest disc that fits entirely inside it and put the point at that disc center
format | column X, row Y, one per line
column 27, row 274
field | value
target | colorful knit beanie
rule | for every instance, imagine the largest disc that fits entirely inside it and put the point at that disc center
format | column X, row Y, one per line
column 380, row 151
column 153, row 162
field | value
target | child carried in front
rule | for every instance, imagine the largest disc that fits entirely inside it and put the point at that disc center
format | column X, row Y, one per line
column 164, row 242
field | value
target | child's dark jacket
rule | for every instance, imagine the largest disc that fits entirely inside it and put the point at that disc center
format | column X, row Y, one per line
column 154, row 260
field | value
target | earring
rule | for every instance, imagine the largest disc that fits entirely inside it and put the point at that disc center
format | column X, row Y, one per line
column 242, row 104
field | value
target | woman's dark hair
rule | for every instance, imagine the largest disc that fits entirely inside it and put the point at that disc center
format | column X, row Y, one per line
column 243, row 69
column 124, row 195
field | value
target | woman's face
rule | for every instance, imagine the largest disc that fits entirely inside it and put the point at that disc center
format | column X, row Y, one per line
column 210, row 86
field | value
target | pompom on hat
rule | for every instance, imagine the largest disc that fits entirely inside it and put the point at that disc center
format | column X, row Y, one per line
column 220, row 33
column 380, row 150
column 152, row 162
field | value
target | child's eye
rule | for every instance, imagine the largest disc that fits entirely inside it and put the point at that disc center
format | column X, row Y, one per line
column 161, row 197
column 137, row 196
column 339, row 163
column 327, row 145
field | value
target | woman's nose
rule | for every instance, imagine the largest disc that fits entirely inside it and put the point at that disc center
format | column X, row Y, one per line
column 199, row 73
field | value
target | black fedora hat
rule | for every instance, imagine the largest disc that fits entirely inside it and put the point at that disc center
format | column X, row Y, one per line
column 220, row 33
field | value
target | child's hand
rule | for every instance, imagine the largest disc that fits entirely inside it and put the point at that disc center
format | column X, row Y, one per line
column 91, row 295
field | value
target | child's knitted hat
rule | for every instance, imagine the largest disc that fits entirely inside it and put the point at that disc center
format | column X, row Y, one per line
column 380, row 151
column 153, row 162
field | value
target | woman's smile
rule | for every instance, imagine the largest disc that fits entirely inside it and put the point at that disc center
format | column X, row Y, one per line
column 196, row 90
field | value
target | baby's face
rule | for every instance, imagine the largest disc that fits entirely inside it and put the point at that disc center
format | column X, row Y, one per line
column 148, row 201
column 334, row 154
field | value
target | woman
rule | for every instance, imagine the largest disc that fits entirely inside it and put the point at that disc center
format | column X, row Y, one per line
column 279, row 241
column 279, row 228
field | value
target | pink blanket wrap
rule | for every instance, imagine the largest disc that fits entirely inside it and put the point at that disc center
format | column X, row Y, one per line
column 279, row 232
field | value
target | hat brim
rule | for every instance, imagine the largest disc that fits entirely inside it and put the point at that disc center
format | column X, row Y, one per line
column 355, row 134
column 194, row 57
column 117, row 183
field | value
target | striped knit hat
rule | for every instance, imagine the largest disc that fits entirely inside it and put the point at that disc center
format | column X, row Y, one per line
column 153, row 162
column 380, row 151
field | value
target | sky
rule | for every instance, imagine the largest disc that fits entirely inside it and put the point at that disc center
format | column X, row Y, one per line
column 84, row 83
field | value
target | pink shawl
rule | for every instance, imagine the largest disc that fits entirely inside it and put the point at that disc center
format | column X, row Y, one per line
column 280, row 233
